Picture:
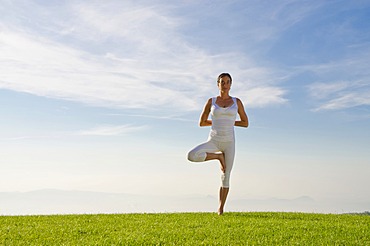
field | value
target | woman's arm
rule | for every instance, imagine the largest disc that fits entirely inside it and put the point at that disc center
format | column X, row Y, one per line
column 243, row 122
column 204, row 121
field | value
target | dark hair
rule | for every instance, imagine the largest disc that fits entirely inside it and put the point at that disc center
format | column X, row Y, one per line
column 223, row 75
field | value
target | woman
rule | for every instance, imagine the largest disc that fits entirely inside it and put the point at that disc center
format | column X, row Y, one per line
column 221, row 142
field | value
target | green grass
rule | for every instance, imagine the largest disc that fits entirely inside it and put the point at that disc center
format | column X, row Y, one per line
column 253, row 228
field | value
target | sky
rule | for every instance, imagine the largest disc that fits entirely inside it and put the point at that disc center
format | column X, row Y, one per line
column 105, row 96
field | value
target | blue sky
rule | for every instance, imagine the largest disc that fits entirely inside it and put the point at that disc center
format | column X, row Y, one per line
column 106, row 96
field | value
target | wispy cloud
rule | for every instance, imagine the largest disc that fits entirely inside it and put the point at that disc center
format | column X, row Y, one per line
column 123, row 55
column 158, row 117
column 272, row 95
column 27, row 137
column 98, row 131
column 109, row 130
column 324, row 35
column 338, row 58
column 345, row 83
column 275, row 19
column 341, row 95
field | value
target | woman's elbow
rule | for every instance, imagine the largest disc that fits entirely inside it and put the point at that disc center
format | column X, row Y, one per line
column 202, row 123
column 245, row 124
column 205, row 123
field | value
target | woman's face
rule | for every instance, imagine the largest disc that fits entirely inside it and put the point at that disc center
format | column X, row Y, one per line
column 224, row 84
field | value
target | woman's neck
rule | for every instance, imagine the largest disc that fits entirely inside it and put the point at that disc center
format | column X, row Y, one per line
column 224, row 95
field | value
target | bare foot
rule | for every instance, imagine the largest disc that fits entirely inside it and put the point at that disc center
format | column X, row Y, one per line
column 220, row 211
column 221, row 158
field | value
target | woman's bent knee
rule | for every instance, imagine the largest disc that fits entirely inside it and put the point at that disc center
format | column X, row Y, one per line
column 191, row 156
column 196, row 157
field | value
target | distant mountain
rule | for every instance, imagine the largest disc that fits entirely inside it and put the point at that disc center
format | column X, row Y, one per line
column 301, row 204
column 86, row 202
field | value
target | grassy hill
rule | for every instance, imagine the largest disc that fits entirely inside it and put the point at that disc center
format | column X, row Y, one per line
column 252, row 228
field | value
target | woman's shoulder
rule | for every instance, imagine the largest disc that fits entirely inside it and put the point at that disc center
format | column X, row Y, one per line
column 238, row 101
column 211, row 100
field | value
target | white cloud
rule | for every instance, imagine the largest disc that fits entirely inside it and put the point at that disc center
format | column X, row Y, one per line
column 345, row 99
column 111, row 130
column 266, row 22
column 345, row 83
column 271, row 95
column 324, row 90
column 142, row 26
column 121, row 55
column 48, row 69
column 102, row 130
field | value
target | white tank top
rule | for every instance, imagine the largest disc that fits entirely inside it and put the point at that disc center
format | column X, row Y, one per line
column 223, row 120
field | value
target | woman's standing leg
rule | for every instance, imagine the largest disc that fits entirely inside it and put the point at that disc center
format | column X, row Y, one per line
column 223, row 195
column 229, row 154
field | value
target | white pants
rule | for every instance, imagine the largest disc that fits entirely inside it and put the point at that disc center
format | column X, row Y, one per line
column 199, row 154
